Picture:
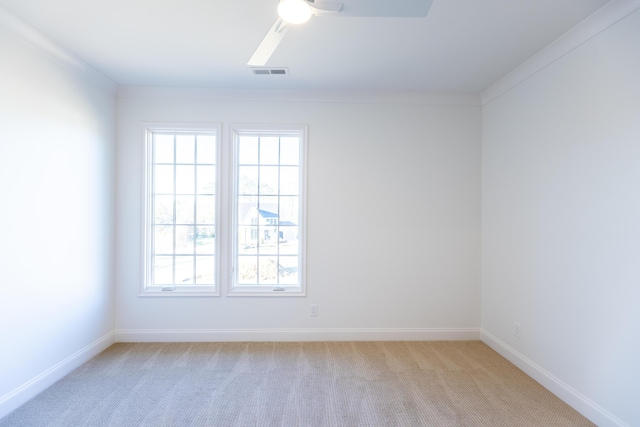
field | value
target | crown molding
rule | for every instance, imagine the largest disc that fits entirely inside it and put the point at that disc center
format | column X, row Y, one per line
column 16, row 27
column 307, row 96
column 599, row 21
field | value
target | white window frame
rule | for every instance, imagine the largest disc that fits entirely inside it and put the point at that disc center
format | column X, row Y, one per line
column 232, row 287
column 146, row 289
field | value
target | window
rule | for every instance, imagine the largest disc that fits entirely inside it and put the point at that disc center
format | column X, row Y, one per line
column 268, row 219
column 246, row 226
column 181, row 216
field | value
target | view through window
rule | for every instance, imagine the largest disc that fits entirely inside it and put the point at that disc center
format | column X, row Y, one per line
column 253, row 218
column 269, row 210
column 181, row 217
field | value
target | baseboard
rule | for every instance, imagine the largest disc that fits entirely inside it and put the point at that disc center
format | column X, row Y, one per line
column 572, row 397
column 12, row 400
column 221, row 335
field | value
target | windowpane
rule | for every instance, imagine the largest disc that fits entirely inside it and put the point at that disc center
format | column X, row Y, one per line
column 269, row 180
column 184, row 270
column 185, row 239
column 185, row 180
column 289, row 180
column 205, row 241
column 248, row 150
column 248, row 210
column 205, row 210
column 163, row 209
column 184, row 209
column 163, row 179
column 247, row 240
column 268, row 207
column 269, row 150
column 248, row 180
column 206, row 146
column 290, row 151
column 268, row 270
column 247, row 270
column 163, row 239
column 269, row 240
column 288, row 270
column 288, row 243
column 289, row 210
column 163, row 149
column 206, row 177
column 163, row 270
column 205, row 270
column 185, row 149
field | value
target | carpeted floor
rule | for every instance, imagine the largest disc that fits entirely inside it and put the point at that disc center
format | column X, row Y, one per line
column 373, row 384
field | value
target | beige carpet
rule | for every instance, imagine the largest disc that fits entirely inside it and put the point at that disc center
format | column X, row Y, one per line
column 297, row 384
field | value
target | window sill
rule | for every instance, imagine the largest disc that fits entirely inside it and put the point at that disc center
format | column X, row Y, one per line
column 270, row 292
column 202, row 291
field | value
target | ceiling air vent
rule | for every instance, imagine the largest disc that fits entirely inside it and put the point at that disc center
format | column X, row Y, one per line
column 270, row 71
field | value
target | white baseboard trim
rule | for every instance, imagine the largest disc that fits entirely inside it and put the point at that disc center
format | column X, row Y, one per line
column 12, row 400
column 572, row 397
column 235, row 335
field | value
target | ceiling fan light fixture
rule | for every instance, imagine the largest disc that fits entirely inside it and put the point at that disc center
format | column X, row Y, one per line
column 294, row 11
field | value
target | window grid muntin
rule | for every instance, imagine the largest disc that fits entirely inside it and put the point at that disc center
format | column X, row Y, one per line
column 194, row 254
column 258, row 195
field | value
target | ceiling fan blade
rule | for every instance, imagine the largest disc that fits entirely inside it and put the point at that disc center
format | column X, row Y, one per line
column 381, row 8
column 321, row 7
column 269, row 44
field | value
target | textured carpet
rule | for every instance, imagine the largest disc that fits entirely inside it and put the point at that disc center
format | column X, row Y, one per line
column 297, row 384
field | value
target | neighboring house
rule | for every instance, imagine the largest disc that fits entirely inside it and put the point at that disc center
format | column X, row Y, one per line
column 263, row 225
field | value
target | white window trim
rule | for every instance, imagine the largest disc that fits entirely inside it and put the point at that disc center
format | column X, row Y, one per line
column 251, row 291
column 147, row 129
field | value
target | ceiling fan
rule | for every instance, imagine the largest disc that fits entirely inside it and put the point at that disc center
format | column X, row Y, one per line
column 292, row 12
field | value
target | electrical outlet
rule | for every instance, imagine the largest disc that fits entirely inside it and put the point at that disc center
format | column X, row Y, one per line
column 516, row 329
column 313, row 310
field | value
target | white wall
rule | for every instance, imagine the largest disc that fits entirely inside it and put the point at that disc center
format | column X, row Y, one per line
column 559, row 220
column 561, row 224
column 57, row 140
column 393, row 220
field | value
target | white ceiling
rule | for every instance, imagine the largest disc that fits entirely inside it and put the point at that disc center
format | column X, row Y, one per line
column 460, row 46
